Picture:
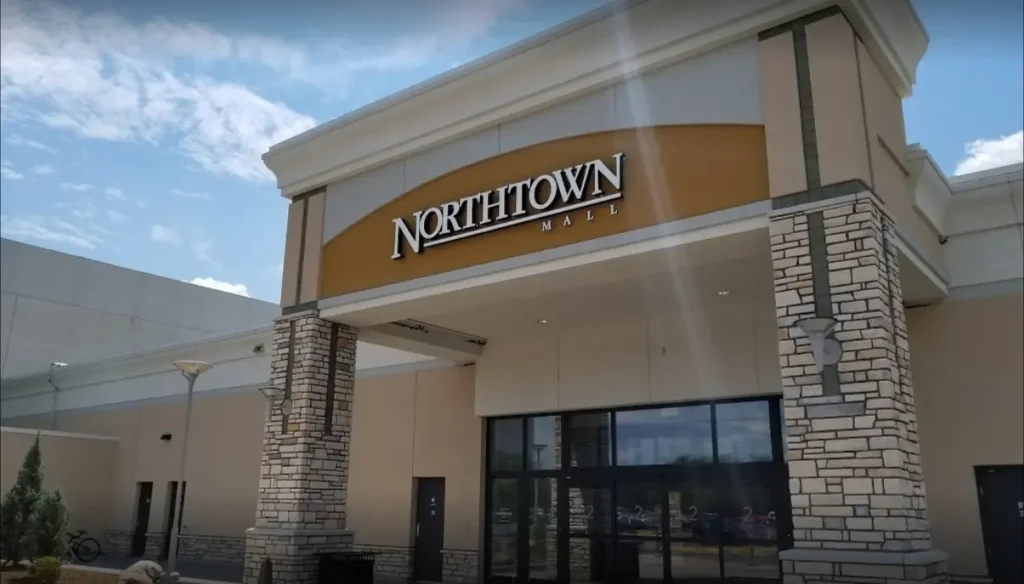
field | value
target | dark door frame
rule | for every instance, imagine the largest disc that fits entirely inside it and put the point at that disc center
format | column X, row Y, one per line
column 979, row 472
column 143, row 507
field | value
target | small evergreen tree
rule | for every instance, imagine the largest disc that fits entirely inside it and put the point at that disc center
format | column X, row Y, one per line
column 18, row 508
column 49, row 521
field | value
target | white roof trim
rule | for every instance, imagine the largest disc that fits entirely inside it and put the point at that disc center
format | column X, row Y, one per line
column 999, row 175
column 552, row 67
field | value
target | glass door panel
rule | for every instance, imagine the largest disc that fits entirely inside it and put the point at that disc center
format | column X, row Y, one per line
column 692, row 510
column 640, row 560
column 590, row 559
column 590, row 510
column 750, row 536
column 693, row 560
column 504, row 528
column 639, row 509
column 542, row 512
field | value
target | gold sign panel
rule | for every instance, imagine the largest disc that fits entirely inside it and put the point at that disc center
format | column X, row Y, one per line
column 668, row 173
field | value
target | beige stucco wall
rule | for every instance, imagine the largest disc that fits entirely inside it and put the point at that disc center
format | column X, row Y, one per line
column 969, row 387
column 83, row 468
column 695, row 355
column 415, row 425
column 223, row 460
column 887, row 141
column 782, row 130
column 839, row 115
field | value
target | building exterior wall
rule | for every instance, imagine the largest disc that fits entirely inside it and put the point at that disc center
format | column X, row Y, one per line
column 967, row 369
column 408, row 425
column 693, row 355
column 422, row 424
column 717, row 87
column 82, row 466
column 56, row 307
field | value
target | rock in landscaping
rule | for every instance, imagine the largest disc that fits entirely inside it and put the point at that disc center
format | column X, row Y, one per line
column 142, row 572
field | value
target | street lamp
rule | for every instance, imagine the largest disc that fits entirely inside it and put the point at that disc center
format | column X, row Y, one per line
column 53, row 407
column 190, row 370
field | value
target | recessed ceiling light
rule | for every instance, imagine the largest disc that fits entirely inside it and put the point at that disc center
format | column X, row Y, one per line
column 542, row 321
column 723, row 292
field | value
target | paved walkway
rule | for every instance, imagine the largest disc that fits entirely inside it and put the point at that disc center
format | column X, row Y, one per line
column 191, row 569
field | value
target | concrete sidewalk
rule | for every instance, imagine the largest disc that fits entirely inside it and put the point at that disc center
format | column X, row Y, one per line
column 190, row 570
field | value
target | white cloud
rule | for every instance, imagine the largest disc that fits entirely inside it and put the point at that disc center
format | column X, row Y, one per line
column 116, row 216
column 202, row 251
column 104, row 77
column 43, row 169
column 114, row 194
column 80, row 187
column 161, row 234
column 202, row 195
column 239, row 289
column 47, row 229
column 19, row 140
column 7, row 171
column 985, row 154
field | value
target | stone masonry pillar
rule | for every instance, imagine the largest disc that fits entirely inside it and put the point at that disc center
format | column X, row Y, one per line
column 304, row 469
column 856, row 486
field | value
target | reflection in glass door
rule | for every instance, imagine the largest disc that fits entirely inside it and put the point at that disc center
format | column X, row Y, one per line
column 688, row 493
column 588, row 519
column 504, row 529
column 640, row 518
column 542, row 513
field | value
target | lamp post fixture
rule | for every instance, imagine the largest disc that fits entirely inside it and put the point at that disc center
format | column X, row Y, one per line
column 276, row 397
column 826, row 351
column 53, row 406
column 190, row 370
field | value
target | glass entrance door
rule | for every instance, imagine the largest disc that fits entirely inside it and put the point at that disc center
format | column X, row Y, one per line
column 693, row 493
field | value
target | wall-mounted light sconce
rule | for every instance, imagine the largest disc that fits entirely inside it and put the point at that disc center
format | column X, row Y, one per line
column 827, row 351
column 276, row 398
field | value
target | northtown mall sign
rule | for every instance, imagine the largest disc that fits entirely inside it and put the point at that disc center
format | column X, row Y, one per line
column 583, row 186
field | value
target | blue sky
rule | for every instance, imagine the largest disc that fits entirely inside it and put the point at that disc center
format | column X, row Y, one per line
column 131, row 131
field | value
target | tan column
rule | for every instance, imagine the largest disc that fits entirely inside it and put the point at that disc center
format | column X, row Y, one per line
column 856, row 486
column 304, row 469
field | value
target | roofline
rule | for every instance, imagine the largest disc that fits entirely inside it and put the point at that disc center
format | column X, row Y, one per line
column 132, row 270
column 198, row 343
column 990, row 173
column 586, row 19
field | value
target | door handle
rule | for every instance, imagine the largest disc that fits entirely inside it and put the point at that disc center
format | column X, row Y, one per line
column 417, row 529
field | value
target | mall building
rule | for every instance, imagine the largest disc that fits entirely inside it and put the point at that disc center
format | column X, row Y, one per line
column 660, row 294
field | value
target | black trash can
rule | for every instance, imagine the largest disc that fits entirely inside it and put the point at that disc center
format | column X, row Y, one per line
column 346, row 568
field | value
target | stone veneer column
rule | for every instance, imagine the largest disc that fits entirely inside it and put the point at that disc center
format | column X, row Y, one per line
column 856, row 487
column 304, row 468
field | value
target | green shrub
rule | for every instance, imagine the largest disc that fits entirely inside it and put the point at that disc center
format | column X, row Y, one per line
column 49, row 522
column 19, row 504
column 46, row 570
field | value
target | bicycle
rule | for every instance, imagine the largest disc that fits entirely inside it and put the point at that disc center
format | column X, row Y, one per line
column 83, row 549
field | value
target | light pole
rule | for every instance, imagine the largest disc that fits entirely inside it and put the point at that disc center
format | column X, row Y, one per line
column 190, row 370
column 53, row 406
